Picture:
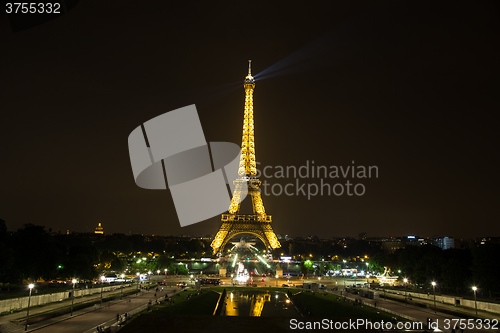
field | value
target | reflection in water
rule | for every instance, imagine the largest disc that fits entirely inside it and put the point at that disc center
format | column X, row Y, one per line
column 256, row 303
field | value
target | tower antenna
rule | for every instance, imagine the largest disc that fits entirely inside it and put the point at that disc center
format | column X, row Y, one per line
column 249, row 67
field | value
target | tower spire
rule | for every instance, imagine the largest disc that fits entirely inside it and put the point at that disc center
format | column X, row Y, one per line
column 247, row 166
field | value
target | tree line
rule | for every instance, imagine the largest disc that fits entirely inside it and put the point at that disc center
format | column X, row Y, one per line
column 454, row 270
column 33, row 253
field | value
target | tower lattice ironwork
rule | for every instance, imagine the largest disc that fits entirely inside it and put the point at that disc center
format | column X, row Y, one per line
column 234, row 223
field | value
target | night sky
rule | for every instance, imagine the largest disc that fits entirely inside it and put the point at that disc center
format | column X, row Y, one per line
column 408, row 86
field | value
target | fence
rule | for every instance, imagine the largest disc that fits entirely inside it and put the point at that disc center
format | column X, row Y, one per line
column 20, row 303
column 486, row 306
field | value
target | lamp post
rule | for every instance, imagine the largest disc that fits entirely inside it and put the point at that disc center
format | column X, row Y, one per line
column 31, row 285
column 344, row 273
column 73, row 295
column 138, row 278
column 102, row 285
column 475, row 298
column 367, row 274
column 121, row 289
column 149, row 279
column 405, row 280
column 166, row 276
column 276, row 280
column 434, row 288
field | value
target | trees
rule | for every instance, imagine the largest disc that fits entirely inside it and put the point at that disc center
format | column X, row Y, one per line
column 181, row 269
column 307, row 267
column 455, row 273
column 485, row 270
column 6, row 256
column 36, row 254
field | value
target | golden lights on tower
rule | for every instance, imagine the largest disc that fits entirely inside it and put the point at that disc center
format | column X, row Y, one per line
column 259, row 223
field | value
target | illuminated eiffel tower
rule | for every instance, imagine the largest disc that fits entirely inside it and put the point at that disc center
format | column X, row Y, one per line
column 234, row 223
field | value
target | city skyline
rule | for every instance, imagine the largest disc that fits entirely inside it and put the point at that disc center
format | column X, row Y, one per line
column 99, row 230
column 334, row 84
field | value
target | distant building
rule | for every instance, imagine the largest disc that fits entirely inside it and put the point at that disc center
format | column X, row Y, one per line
column 444, row 243
column 99, row 229
column 448, row 243
column 411, row 240
column 489, row 240
column 392, row 244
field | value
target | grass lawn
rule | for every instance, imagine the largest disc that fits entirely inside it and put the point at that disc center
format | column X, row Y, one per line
column 203, row 304
column 332, row 306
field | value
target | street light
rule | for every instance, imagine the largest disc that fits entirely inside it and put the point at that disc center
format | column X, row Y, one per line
column 276, row 280
column 73, row 295
column 405, row 280
column 102, row 285
column 434, row 288
column 121, row 289
column 344, row 272
column 166, row 273
column 138, row 278
column 31, row 285
column 475, row 298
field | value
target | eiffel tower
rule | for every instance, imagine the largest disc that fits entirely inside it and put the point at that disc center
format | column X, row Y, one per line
column 234, row 223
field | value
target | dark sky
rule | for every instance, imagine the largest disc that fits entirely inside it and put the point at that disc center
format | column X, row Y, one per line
column 411, row 87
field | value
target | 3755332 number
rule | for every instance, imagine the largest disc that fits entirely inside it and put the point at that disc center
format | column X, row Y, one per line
column 32, row 8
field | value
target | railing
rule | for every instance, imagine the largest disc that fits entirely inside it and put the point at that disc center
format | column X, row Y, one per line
column 220, row 303
column 245, row 218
